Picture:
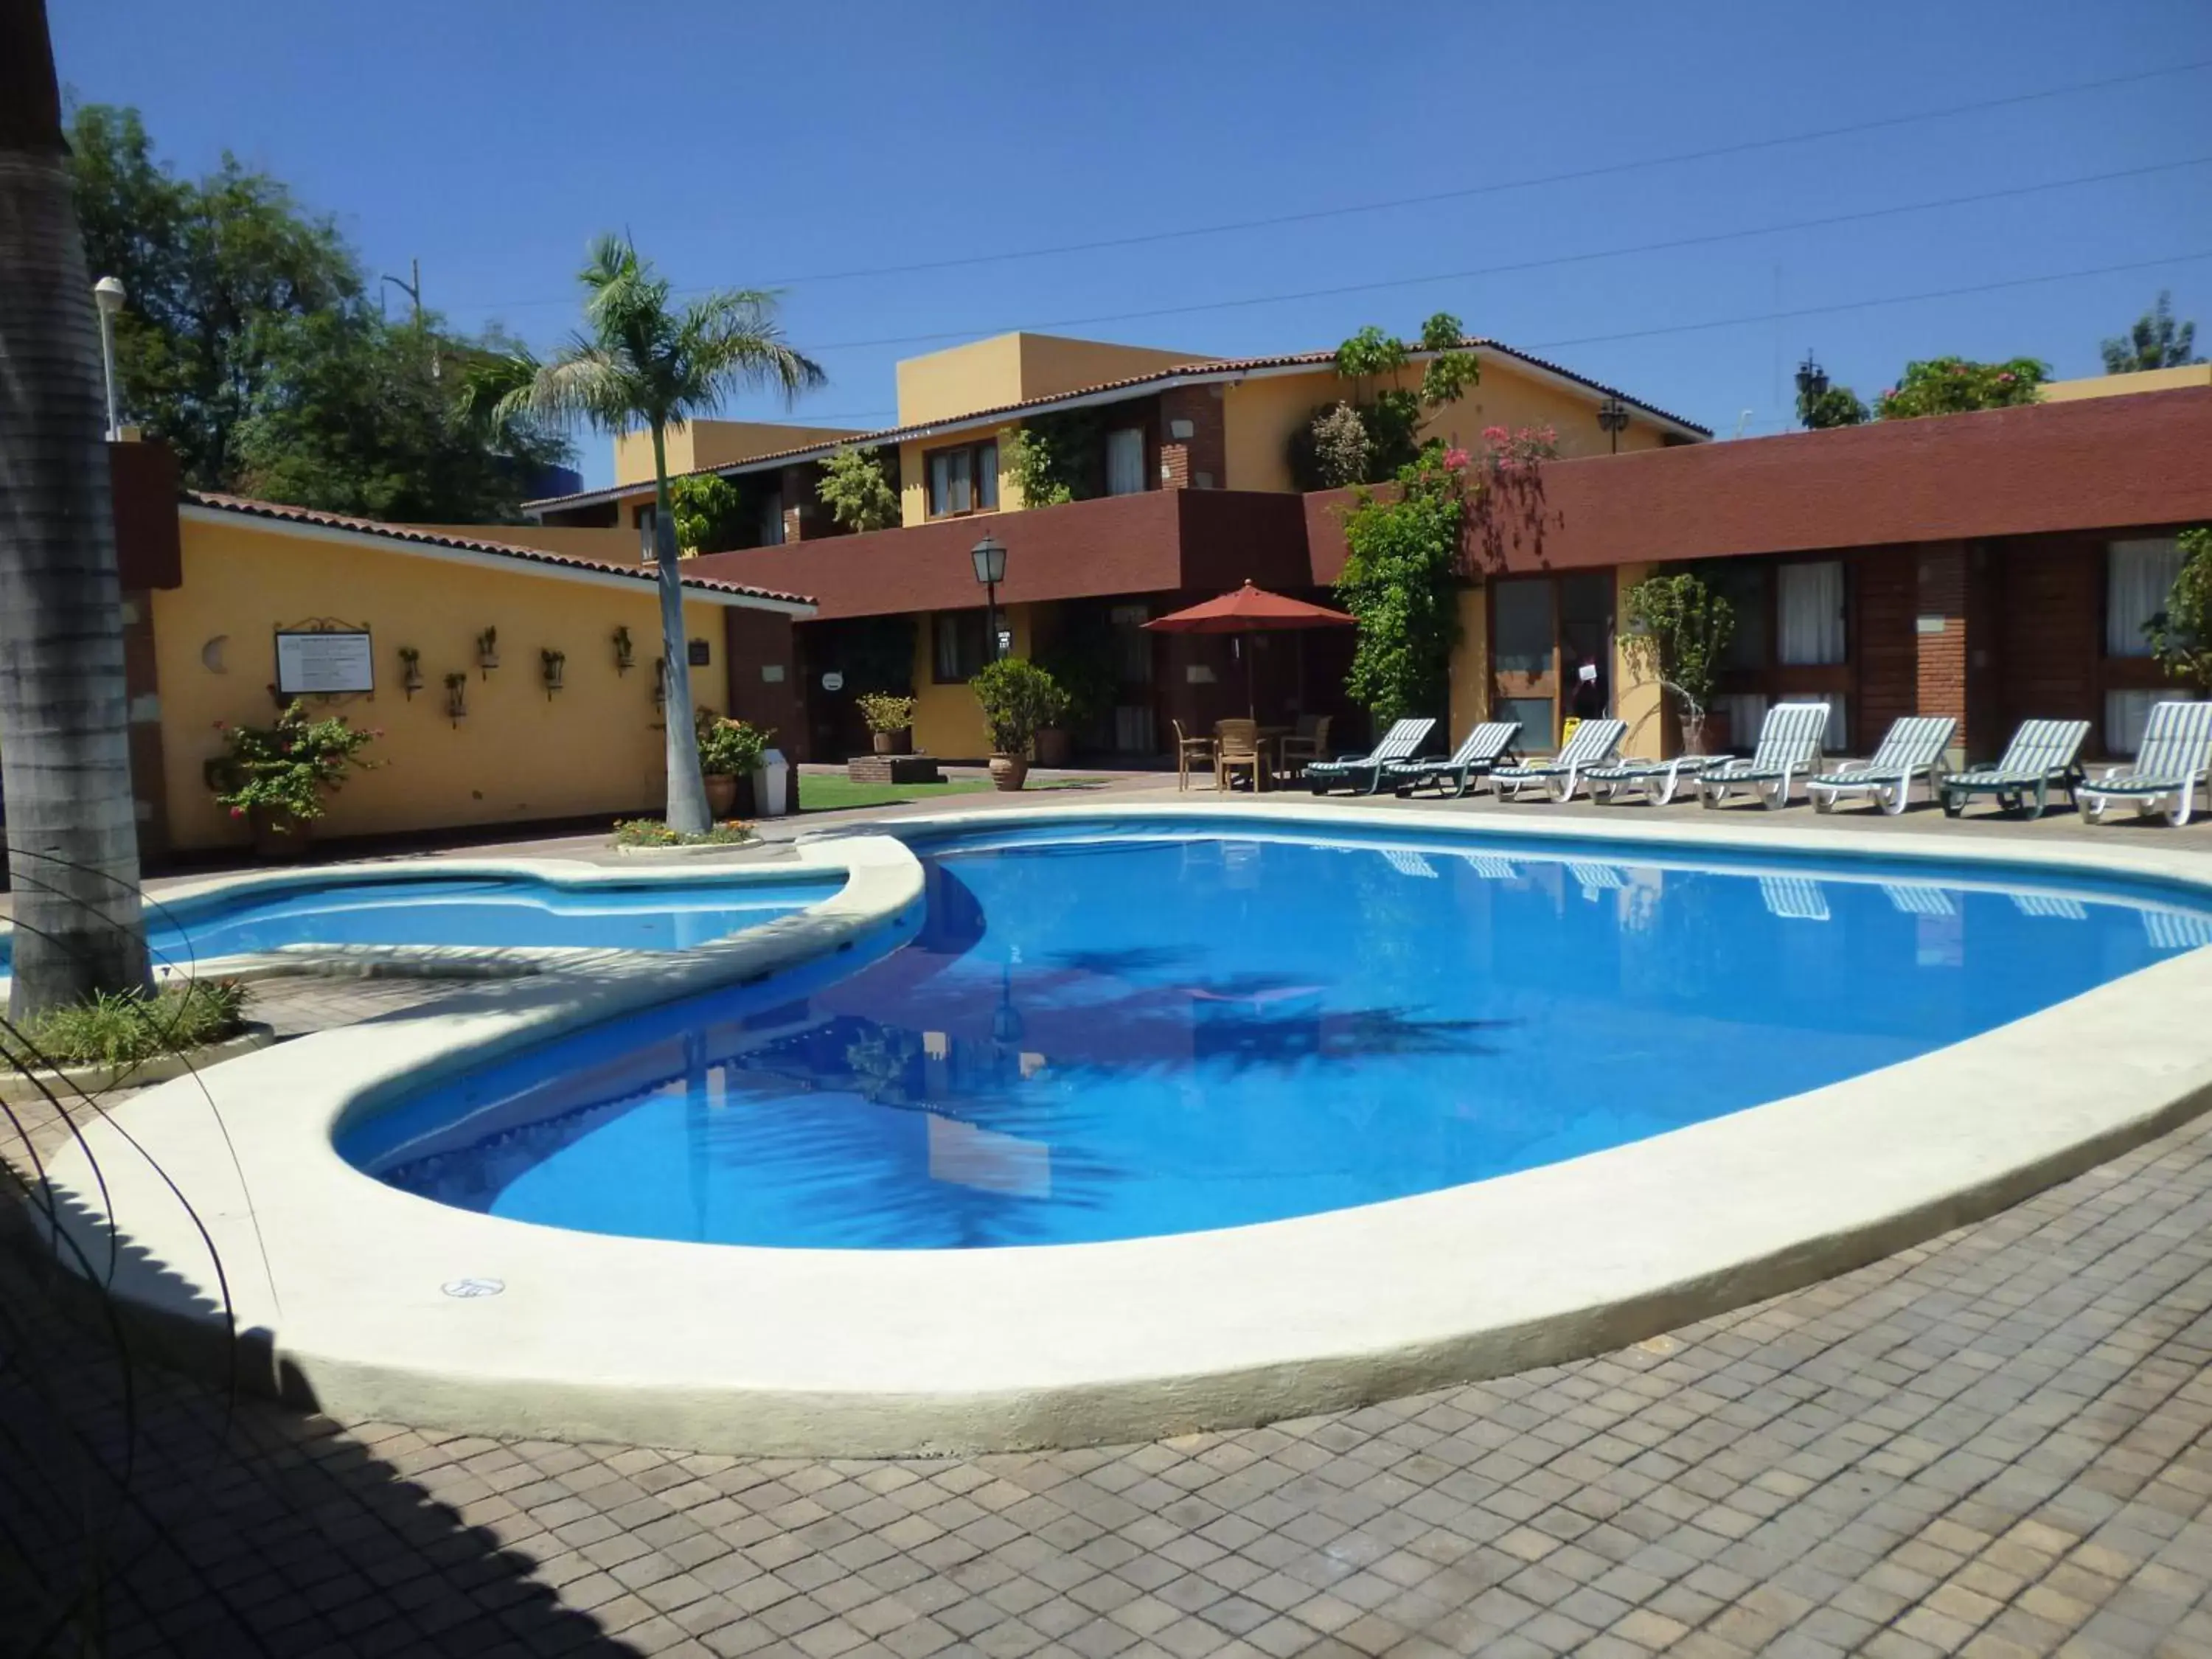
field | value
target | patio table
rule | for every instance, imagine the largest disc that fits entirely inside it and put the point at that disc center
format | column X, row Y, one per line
column 1656, row 781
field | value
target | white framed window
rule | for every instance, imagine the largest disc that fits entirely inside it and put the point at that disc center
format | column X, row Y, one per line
column 1811, row 602
column 1125, row 461
column 2138, row 576
column 771, row 519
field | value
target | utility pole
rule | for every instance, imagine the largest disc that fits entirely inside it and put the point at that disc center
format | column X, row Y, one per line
column 413, row 289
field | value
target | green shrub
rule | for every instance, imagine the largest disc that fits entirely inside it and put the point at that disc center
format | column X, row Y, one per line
column 2180, row 634
column 709, row 513
column 1019, row 700
column 886, row 711
column 856, row 487
column 285, row 769
column 728, row 748
column 1956, row 386
column 122, row 1028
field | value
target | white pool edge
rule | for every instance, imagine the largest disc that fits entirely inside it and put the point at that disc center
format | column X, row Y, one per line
column 861, row 1352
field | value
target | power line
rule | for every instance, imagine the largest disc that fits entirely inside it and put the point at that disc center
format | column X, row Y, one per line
column 1609, row 169
column 1549, row 261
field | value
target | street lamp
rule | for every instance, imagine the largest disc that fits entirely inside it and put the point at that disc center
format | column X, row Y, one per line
column 1812, row 380
column 990, row 558
column 107, row 295
column 1612, row 415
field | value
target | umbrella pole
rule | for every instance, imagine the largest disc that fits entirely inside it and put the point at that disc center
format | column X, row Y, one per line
column 1251, row 702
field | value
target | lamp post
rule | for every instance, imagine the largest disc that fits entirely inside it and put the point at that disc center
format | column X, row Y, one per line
column 107, row 295
column 990, row 558
column 1811, row 386
column 1612, row 415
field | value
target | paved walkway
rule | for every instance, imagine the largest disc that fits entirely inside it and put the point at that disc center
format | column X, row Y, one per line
column 1999, row 1443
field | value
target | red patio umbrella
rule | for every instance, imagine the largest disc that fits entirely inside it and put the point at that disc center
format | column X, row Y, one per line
column 1247, row 612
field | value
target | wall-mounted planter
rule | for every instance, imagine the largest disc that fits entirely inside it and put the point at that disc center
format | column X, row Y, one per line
column 411, row 670
column 552, row 666
column 625, row 653
column 488, row 651
column 661, row 683
column 456, row 697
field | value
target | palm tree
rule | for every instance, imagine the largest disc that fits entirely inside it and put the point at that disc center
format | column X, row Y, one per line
column 639, row 361
column 64, row 743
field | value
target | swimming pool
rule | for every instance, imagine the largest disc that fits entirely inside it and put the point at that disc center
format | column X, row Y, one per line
column 360, row 909
column 1116, row 1030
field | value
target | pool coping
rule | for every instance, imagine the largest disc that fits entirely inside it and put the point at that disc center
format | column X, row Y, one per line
column 735, row 1348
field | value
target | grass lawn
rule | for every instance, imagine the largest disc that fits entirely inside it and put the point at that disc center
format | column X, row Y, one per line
column 825, row 792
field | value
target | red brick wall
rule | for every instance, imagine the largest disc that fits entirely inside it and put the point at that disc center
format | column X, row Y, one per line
column 1888, row 660
column 1201, row 460
column 2049, row 629
column 1941, row 589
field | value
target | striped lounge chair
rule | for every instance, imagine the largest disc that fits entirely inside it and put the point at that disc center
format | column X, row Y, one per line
column 2173, row 761
column 1593, row 744
column 1362, row 774
column 1488, row 743
column 1911, row 748
column 1788, row 746
column 2042, row 755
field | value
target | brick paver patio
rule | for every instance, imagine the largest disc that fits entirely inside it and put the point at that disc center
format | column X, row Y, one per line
column 1999, row 1443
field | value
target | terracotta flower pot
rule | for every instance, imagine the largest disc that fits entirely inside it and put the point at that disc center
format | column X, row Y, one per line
column 722, row 794
column 1008, row 771
column 890, row 743
column 279, row 837
column 1053, row 744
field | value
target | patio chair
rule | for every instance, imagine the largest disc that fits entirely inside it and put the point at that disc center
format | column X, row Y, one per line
column 1488, row 743
column 1593, row 744
column 1912, row 747
column 2173, row 761
column 1788, row 745
column 2042, row 755
column 1362, row 774
column 1190, row 749
column 1408, row 862
column 1794, row 898
column 1308, row 744
column 1918, row 898
column 1236, row 744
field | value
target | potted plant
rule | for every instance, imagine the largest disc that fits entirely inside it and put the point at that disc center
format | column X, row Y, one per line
column 1018, row 699
column 554, row 665
column 488, row 651
column 275, row 777
column 729, row 754
column 625, row 651
column 411, row 670
column 1678, row 629
column 456, row 697
column 890, row 718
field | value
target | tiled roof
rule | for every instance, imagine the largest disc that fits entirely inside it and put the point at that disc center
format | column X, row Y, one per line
column 399, row 532
column 1202, row 367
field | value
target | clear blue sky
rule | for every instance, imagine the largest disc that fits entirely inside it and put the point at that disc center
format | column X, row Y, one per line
column 745, row 145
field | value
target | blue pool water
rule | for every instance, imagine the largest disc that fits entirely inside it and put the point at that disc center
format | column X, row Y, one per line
column 1098, row 1035
column 505, row 910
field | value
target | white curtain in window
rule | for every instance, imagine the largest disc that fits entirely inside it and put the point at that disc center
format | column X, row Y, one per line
column 1745, row 710
column 1837, row 731
column 2138, row 576
column 2126, row 711
column 1812, row 604
column 1125, row 461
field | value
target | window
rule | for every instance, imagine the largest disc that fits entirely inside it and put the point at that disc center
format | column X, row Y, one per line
column 1812, row 613
column 1523, row 627
column 1125, row 461
column 771, row 519
column 956, row 647
column 2138, row 576
column 645, row 517
column 963, row 480
column 1743, row 585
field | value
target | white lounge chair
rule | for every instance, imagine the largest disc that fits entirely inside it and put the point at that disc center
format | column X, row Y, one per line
column 2050, row 906
column 1593, row 744
column 2042, row 755
column 1362, row 774
column 1789, row 747
column 1794, row 898
column 2172, row 763
column 2176, row 930
column 1918, row 898
column 1408, row 862
column 1911, row 748
column 1487, row 745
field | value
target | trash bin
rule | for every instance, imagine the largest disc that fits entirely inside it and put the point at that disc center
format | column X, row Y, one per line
column 771, row 785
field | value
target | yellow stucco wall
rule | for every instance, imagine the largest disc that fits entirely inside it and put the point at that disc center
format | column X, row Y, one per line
column 2121, row 385
column 715, row 443
column 947, row 722
column 1640, row 700
column 1007, row 368
column 595, row 747
column 1260, row 414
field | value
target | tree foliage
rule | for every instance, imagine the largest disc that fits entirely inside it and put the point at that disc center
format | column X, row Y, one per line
column 1036, row 470
column 1838, row 405
column 1958, row 386
column 709, row 513
column 248, row 344
column 1385, row 417
column 1678, row 630
column 1401, row 575
column 2180, row 634
column 2156, row 341
column 857, row 489
column 1059, row 457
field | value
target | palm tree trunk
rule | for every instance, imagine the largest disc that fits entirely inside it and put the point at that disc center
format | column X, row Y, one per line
column 65, row 747
column 687, row 789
